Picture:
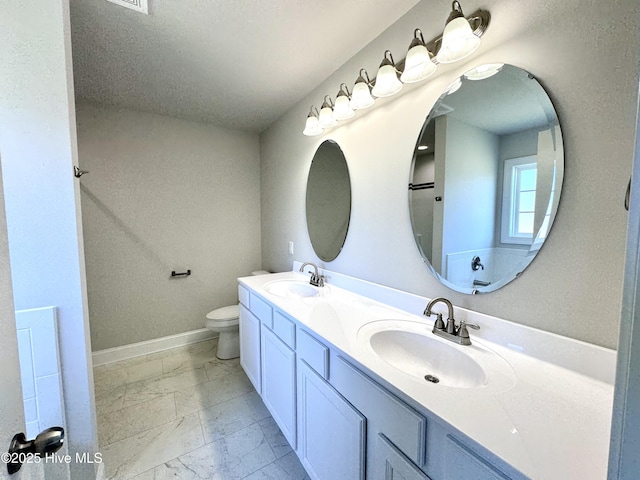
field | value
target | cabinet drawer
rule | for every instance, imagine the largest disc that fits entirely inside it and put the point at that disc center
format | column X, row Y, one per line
column 262, row 310
column 401, row 424
column 285, row 329
column 243, row 296
column 314, row 353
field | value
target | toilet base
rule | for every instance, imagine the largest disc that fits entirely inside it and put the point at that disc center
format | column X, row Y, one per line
column 228, row 345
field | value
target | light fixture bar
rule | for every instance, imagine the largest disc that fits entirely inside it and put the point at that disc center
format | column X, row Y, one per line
column 359, row 98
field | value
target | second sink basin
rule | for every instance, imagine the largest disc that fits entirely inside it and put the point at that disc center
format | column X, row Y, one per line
column 420, row 355
column 291, row 289
column 412, row 348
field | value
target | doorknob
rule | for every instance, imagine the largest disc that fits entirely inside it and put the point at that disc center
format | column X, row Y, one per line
column 46, row 443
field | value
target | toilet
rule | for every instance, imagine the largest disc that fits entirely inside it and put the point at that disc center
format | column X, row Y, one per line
column 225, row 321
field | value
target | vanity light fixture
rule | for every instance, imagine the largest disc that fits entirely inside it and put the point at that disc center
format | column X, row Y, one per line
column 418, row 64
column 387, row 82
column 460, row 38
column 361, row 97
column 484, row 71
column 326, row 119
column 342, row 110
column 312, row 127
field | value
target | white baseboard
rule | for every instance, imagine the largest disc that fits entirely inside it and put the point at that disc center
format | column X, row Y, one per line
column 100, row 475
column 125, row 352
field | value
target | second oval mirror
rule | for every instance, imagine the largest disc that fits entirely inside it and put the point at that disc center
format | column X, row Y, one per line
column 486, row 178
column 328, row 200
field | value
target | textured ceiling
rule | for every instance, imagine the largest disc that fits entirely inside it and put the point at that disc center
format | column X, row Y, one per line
column 235, row 63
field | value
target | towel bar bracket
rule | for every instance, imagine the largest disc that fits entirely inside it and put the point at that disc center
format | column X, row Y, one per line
column 181, row 274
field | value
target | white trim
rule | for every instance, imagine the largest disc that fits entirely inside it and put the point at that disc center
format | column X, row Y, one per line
column 100, row 475
column 125, row 352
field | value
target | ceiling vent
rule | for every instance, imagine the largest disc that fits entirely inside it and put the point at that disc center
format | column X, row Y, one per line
column 138, row 5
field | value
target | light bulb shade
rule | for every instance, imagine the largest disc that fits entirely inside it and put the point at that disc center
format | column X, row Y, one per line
column 417, row 65
column 458, row 41
column 312, row 128
column 326, row 119
column 387, row 82
column 484, row 71
column 361, row 96
column 342, row 110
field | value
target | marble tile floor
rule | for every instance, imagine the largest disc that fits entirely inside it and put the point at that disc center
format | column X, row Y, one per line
column 184, row 414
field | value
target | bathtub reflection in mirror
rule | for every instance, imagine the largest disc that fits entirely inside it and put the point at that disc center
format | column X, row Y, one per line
column 486, row 178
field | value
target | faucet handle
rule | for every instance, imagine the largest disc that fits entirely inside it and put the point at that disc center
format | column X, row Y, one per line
column 469, row 325
column 439, row 324
column 463, row 333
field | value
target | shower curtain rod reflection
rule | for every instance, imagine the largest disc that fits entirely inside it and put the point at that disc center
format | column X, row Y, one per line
column 421, row 186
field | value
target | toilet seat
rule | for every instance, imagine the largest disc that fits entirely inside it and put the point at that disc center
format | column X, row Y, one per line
column 223, row 317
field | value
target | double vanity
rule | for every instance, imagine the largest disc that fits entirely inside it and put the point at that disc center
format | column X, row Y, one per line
column 361, row 387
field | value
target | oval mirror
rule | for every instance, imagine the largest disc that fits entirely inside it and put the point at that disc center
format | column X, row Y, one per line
column 486, row 178
column 328, row 200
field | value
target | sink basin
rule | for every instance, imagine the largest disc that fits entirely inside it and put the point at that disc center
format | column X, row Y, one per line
column 413, row 349
column 291, row 289
column 419, row 355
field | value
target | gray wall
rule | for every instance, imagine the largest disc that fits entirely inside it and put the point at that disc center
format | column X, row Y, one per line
column 469, row 197
column 586, row 55
column 163, row 194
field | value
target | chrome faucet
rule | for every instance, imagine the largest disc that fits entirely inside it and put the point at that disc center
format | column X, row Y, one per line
column 449, row 330
column 316, row 279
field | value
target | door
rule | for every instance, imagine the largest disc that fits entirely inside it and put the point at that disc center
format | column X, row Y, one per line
column 391, row 464
column 12, row 419
column 40, row 232
column 332, row 434
column 250, row 346
column 625, row 430
column 11, row 412
column 279, row 383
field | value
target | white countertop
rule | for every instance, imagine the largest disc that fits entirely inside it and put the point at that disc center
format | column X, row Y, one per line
column 546, row 418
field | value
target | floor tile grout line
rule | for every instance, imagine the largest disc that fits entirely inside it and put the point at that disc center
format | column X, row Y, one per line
column 127, row 385
column 186, row 415
column 139, row 432
column 197, row 448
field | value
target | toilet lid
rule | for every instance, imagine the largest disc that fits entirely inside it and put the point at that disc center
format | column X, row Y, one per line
column 225, row 313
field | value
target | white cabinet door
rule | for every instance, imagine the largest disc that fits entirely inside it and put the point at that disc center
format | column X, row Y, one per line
column 461, row 463
column 391, row 464
column 250, row 346
column 332, row 434
column 279, row 383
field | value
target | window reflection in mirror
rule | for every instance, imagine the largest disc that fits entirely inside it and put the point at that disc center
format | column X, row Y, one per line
column 328, row 200
column 486, row 178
